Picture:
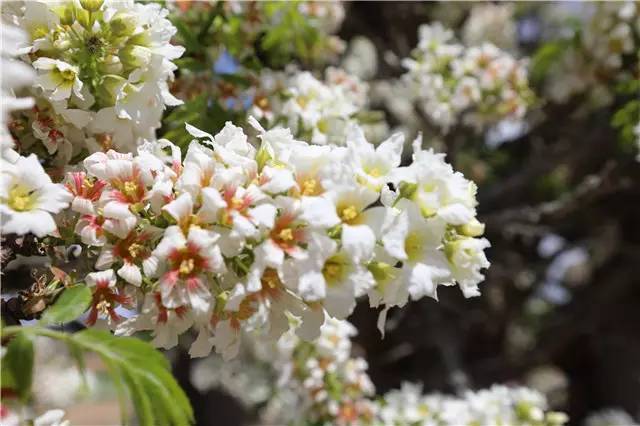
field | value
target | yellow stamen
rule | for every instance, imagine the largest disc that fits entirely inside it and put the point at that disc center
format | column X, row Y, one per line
column 20, row 199
column 135, row 249
column 375, row 172
column 286, row 234
column 130, row 188
column 349, row 213
column 186, row 266
column 236, row 203
column 309, row 187
column 103, row 306
column 270, row 279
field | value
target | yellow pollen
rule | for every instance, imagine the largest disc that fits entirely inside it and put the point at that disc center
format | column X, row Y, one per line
column 236, row 203
column 39, row 32
column 20, row 199
column 309, row 186
column 332, row 270
column 68, row 75
column 186, row 266
column 135, row 249
column 103, row 306
column 286, row 234
column 349, row 213
column 270, row 279
column 302, row 101
column 262, row 103
column 87, row 182
column 130, row 188
column 374, row 172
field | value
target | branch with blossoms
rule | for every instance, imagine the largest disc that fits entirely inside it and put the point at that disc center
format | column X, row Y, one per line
column 322, row 382
column 278, row 198
column 235, row 237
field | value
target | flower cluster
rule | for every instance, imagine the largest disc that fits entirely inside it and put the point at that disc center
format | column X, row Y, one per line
column 102, row 67
column 237, row 238
column 597, row 53
column 496, row 405
column 476, row 85
column 327, row 385
column 492, row 22
column 15, row 75
column 315, row 110
column 11, row 417
column 324, row 384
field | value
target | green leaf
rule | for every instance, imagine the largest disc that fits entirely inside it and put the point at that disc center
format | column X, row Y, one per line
column 545, row 57
column 188, row 38
column 69, row 305
column 144, row 372
column 19, row 364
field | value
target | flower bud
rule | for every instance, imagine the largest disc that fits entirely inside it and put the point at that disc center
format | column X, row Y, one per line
column 91, row 5
column 111, row 65
column 65, row 14
column 264, row 155
column 109, row 88
column 133, row 56
column 557, row 418
column 406, row 190
column 123, row 24
column 472, row 229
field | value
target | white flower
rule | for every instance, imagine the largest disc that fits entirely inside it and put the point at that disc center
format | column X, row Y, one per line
column 373, row 166
column 15, row 75
column 166, row 323
column 359, row 224
column 466, row 257
column 475, row 85
column 416, row 242
column 28, row 198
column 117, row 100
column 51, row 418
column 185, row 263
column 58, row 79
column 329, row 276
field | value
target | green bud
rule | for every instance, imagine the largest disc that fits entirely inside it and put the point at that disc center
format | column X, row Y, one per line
column 406, row 190
column 62, row 42
column 123, row 24
column 91, row 5
column 335, row 232
column 133, row 56
column 264, row 155
column 111, row 65
column 110, row 86
column 556, row 418
column 82, row 17
column 65, row 13
column 472, row 229
column 221, row 301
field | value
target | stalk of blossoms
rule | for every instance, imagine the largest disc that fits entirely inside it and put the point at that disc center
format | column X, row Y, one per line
column 476, row 85
column 323, row 382
column 102, row 72
column 235, row 239
column 318, row 110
